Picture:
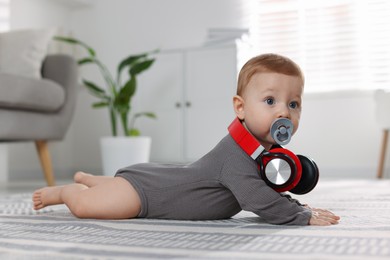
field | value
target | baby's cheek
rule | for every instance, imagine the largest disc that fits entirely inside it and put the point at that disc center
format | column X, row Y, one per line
column 264, row 133
column 296, row 126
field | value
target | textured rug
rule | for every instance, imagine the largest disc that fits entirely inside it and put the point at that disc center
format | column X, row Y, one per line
column 53, row 233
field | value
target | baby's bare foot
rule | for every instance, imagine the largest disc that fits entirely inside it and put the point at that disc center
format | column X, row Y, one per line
column 80, row 176
column 47, row 196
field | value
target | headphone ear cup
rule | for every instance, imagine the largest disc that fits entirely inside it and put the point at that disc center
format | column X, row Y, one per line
column 309, row 178
column 280, row 168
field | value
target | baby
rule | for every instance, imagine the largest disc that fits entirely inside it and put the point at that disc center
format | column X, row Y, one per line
column 220, row 184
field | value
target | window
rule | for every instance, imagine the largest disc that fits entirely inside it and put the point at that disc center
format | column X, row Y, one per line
column 4, row 15
column 339, row 44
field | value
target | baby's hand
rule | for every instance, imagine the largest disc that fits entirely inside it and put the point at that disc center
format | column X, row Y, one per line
column 323, row 217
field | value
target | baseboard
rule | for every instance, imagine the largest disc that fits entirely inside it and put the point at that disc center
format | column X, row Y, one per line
column 37, row 175
column 351, row 172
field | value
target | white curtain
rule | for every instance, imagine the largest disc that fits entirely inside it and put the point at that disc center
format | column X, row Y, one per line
column 339, row 44
column 4, row 15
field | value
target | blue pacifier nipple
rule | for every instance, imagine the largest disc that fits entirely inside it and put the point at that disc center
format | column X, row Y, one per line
column 281, row 131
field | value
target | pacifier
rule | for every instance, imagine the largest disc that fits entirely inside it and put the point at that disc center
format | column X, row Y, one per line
column 281, row 131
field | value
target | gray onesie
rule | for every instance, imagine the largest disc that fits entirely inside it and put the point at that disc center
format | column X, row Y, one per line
column 217, row 186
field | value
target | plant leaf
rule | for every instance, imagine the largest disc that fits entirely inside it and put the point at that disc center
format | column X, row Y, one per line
column 95, row 90
column 71, row 40
column 140, row 67
column 122, row 100
column 122, row 108
column 133, row 132
column 66, row 39
column 100, row 104
column 130, row 60
column 147, row 114
column 86, row 61
column 127, row 91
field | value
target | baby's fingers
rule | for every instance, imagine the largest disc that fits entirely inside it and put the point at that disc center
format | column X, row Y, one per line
column 322, row 217
column 319, row 222
column 326, row 213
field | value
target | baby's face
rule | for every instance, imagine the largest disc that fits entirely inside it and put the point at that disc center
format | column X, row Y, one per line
column 267, row 97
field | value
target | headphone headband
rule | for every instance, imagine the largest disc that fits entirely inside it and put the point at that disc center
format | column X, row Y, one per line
column 245, row 139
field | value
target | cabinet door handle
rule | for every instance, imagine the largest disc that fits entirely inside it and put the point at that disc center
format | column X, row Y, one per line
column 187, row 104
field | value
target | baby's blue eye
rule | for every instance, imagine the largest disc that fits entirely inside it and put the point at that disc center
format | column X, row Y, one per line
column 270, row 101
column 294, row 105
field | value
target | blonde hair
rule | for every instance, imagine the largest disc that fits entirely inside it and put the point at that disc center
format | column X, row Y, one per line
column 269, row 62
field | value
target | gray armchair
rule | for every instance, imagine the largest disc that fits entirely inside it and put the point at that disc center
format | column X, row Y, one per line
column 39, row 110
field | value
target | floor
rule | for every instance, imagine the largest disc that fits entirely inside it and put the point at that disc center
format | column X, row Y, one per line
column 53, row 233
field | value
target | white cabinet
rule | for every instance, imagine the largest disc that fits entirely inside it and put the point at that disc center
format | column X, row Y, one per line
column 191, row 92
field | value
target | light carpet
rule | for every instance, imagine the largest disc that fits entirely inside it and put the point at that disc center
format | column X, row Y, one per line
column 53, row 233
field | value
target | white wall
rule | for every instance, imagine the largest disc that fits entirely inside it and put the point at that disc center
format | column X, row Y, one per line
column 38, row 14
column 338, row 130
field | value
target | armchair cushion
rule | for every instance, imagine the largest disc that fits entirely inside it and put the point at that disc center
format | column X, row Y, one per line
column 25, row 93
column 23, row 51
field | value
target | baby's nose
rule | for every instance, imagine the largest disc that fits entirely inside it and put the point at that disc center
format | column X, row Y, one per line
column 284, row 112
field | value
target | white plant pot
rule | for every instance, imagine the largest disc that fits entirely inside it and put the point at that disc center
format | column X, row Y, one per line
column 120, row 151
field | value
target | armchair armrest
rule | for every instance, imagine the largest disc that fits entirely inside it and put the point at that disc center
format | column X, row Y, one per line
column 61, row 69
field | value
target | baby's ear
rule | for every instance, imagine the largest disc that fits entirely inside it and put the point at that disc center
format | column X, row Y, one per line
column 238, row 105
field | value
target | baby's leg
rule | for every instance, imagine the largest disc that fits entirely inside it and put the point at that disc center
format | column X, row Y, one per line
column 113, row 199
column 90, row 180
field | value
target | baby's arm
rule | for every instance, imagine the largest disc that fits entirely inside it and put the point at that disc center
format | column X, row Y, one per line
column 322, row 217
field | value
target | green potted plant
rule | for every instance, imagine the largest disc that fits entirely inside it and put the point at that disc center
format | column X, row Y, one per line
column 117, row 96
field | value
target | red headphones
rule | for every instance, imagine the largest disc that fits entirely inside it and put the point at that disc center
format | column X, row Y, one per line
column 280, row 168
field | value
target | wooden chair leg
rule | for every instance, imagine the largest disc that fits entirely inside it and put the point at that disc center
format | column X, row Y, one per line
column 382, row 155
column 44, row 157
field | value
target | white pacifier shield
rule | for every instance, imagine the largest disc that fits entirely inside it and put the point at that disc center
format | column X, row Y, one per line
column 281, row 131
